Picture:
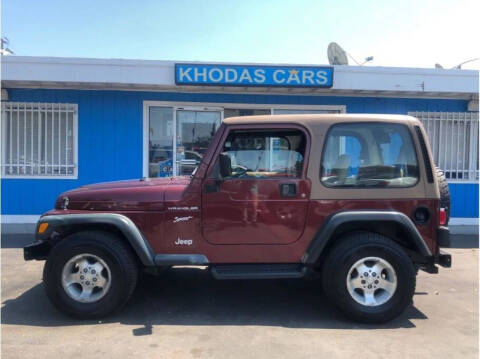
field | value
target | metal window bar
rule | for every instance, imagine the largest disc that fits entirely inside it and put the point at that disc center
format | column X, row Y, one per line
column 59, row 162
column 37, row 149
column 24, row 139
column 52, row 140
column 45, row 143
column 66, row 142
column 454, row 140
column 18, row 135
column 10, row 116
column 39, row 140
column 473, row 163
column 466, row 145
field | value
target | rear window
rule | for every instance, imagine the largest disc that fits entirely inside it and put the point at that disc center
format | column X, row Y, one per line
column 369, row 155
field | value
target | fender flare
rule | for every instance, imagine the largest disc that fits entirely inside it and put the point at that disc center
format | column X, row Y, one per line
column 324, row 235
column 58, row 224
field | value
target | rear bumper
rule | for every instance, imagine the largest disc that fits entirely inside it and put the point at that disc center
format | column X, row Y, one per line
column 444, row 259
column 441, row 258
column 443, row 237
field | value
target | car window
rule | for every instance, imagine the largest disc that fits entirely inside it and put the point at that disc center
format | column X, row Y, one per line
column 263, row 154
column 369, row 155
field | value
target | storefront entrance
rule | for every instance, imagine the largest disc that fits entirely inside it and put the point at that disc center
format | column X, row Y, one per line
column 178, row 136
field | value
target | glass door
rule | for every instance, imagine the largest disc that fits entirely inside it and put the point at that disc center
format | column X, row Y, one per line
column 178, row 137
column 194, row 131
column 160, row 141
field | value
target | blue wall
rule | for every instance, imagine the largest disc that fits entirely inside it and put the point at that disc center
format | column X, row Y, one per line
column 464, row 199
column 110, row 137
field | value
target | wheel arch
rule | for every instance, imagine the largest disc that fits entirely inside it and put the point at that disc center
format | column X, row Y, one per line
column 394, row 225
column 60, row 226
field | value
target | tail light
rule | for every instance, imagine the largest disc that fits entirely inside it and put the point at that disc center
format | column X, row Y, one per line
column 443, row 216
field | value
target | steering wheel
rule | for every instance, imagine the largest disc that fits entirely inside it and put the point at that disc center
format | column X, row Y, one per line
column 331, row 180
column 239, row 170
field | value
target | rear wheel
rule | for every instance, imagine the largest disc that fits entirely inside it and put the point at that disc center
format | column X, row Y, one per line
column 369, row 277
column 90, row 274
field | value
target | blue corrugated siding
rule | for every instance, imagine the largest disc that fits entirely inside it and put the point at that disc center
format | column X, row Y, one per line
column 110, row 133
column 464, row 200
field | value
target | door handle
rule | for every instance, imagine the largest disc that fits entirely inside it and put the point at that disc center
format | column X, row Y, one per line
column 288, row 189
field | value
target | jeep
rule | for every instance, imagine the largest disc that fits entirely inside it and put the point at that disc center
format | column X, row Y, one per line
column 355, row 198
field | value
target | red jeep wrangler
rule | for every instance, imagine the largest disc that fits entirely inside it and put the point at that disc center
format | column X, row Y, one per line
column 356, row 197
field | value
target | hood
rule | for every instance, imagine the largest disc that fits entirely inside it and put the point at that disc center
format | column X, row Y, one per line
column 143, row 182
column 134, row 195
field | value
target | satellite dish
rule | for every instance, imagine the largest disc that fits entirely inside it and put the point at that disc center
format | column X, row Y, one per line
column 336, row 55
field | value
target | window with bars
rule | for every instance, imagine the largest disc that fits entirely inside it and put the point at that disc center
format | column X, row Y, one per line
column 39, row 139
column 453, row 138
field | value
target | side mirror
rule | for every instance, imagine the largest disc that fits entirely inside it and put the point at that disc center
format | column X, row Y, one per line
column 225, row 165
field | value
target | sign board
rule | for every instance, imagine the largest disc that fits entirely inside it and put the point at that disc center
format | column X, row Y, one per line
column 165, row 168
column 253, row 75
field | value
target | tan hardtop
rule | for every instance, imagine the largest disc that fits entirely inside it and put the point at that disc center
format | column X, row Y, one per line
column 318, row 126
column 313, row 120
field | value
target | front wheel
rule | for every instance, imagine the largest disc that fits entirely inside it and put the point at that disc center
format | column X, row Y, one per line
column 369, row 277
column 90, row 274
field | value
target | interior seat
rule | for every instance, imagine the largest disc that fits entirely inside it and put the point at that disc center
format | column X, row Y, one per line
column 340, row 169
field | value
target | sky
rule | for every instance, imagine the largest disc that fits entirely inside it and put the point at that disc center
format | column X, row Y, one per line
column 405, row 33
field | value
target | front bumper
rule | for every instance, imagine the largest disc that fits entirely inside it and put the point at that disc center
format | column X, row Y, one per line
column 42, row 244
column 37, row 250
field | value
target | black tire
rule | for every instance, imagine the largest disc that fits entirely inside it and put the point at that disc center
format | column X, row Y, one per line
column 345, row 254
column 444, row 192
column 113, row 251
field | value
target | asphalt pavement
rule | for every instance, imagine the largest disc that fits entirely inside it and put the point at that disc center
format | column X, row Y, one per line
column 186, row 314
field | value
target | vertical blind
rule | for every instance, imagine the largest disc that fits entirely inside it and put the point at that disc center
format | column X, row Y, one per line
column 454, row 139
column 39, row 139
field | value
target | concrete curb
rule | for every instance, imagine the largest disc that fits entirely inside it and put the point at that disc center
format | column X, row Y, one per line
column 470, row 230
column 18, row 228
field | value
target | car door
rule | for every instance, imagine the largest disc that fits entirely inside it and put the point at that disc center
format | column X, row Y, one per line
column 256, row 191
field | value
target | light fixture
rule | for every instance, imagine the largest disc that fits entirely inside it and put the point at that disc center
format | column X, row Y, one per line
column 367, row 59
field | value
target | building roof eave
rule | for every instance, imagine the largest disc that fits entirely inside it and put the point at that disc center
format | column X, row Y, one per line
column 50, row 72
column 6, row 84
